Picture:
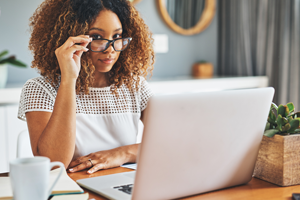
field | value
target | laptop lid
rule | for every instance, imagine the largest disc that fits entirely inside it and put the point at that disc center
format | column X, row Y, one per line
column 199, row 142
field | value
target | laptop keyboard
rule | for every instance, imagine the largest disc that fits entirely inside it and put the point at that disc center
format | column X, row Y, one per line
column 125, row 188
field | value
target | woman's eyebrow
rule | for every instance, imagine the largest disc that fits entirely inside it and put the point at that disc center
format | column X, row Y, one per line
column 119, row 29
column 99, row 29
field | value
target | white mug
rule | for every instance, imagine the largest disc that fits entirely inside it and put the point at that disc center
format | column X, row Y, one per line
column 30, row 177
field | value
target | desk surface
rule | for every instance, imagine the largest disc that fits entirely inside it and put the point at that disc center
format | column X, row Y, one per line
column 255, row 189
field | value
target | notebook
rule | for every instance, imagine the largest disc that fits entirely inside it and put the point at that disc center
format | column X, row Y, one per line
column 84, row 196
column 192, row 143
column 64, row 185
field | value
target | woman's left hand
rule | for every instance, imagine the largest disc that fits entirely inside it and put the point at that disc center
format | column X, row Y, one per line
column 104, row 159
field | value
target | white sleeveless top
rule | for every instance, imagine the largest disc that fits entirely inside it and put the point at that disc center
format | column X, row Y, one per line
column 103, row 120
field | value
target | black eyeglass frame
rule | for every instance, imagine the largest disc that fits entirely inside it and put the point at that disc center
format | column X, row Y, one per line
column 111, row 42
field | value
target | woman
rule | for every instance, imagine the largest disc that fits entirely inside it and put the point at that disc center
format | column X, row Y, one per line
column 86, row 107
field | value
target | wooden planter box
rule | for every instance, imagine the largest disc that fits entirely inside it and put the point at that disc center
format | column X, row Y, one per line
column 278, row 160
column 203, row 70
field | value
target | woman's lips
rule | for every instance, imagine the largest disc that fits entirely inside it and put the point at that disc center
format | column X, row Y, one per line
column 107, row 60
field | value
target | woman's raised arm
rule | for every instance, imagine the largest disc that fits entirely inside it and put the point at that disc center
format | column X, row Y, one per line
column 53, row 134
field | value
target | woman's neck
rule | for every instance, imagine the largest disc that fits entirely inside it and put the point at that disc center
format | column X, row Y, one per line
column 101, row 80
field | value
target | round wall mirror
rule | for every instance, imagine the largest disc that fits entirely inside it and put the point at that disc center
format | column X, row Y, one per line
column 187, row 17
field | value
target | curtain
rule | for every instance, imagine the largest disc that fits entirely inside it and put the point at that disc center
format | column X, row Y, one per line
column 185, row 13
column 261, row 37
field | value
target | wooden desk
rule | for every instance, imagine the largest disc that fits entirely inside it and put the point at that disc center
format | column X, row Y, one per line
column 256, row 189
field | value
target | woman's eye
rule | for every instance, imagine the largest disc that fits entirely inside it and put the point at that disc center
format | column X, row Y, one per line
column 118, row 36
column 95, row 37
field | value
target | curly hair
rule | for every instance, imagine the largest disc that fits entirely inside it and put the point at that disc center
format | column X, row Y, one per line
column 54, row 21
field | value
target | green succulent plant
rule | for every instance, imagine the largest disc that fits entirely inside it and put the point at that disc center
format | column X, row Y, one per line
column 282, row 120
column 11, row 60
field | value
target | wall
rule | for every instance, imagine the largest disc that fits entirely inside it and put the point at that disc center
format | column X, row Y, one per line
column 183, row 50
column 14, row 36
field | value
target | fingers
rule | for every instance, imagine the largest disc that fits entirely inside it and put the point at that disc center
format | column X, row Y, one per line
column 76, row 49
column 69, row 54
column 79, row 44
column 96, row 168
column 78, row 161
column 83, row 40
column 85, row 43
column 100, row 160
column 74, row 163
column 82, row 166
column 75, row 45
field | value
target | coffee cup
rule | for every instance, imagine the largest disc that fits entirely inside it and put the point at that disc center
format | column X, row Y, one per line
column 30, row 177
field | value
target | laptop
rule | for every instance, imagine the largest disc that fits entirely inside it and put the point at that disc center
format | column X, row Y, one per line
column 192, row 143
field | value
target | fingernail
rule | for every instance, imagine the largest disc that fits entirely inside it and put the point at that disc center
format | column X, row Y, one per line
column 90, row 171
column 71, row 170
column 86, row 49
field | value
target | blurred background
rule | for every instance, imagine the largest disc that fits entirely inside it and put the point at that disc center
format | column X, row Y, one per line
column 14, row 36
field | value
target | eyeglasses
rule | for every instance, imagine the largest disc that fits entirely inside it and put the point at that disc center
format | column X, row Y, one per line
column 100, row 45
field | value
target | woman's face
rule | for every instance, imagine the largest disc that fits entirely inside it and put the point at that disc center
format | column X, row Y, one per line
column 106, row 26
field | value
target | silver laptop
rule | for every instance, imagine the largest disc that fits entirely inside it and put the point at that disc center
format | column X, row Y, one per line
column 193, row 143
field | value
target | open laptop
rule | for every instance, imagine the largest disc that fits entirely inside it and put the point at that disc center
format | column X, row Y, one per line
column 193, row 143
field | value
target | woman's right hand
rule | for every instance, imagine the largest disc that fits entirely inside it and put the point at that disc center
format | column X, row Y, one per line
column 69, row 55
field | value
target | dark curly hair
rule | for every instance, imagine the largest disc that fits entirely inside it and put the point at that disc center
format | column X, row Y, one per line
column 55, row 21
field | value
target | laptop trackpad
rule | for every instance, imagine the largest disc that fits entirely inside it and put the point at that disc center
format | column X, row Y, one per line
column 110, row 186
column 108, row 181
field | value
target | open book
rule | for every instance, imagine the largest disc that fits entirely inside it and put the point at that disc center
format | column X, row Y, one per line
column 64, row 185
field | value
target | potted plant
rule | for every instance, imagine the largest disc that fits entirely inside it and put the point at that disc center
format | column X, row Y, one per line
column 3, row 66
column 278, row 159
column 202, row 69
